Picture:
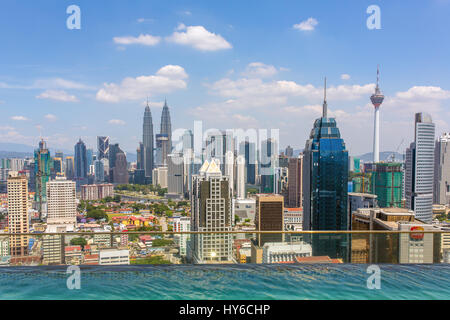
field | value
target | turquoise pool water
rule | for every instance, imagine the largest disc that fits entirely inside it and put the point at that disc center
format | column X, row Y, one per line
column 343, row 281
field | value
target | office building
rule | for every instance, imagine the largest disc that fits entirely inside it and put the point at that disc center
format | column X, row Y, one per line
column 247, row 149
column 240, row 177
column 175, row 174
column 69, row 168
column 42, row 168
column 325, row 186
column 295, row 192
column 81, row 164
column 147, row 142
column 289, row 152
column 102, row 147
column 269, row 217
column 217, row 145
column 325, row 175
column 229, row 169
column 441, row 192
column 99, row 171
column 18, row 219
column 160, row 177
column 166, row 130
column 392, row 248
column 268, row 162
column 120, row 170
column 211, row 211
column 293, row 219
column 419, row 169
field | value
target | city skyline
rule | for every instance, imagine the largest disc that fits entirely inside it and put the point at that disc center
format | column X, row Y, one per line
column 228, row 78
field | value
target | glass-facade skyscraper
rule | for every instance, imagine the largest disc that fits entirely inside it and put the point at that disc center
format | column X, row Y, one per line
column 325, row 176
column 147, row 140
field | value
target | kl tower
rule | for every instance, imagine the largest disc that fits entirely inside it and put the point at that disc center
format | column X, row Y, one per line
column 377, row 99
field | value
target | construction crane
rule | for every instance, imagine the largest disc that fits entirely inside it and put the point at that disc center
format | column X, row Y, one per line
column 392, row 155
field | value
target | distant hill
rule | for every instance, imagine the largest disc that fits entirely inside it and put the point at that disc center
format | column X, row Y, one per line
column 385, row 155
column 18, row 150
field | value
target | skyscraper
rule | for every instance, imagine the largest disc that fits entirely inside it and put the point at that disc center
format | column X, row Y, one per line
column 120, row 170
column 269, row 217
column 42, row 168
column 102, row 147
column 69, row 167
column 166, row 129
column 175, row 176
column 99, row 171
column 377, row 99
column 147, row 140
column 295, row 192
column 268, row 163
column 441, row 194
column 289, row 151
column 325, row 175
column 81, row 165
column 419, row 169
column 211, row 211
column 18, row 219
column 240, row 177
column 247, row 149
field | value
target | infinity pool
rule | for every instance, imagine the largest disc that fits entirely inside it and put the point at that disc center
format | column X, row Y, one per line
column 345, row 281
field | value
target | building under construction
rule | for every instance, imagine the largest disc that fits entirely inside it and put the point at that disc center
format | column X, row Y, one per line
column 387, row 184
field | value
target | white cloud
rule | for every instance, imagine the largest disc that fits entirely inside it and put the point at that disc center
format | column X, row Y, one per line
column 142, row 20
column 51, row 83
column 199, row 38
column 307, row 25
column 259, row 70
column 167, row 79
column 57, row 95
column 256, row 92
column 50, row 117
column 116, row 122
column 143, row 39
column 19, row 118
column 345, row 76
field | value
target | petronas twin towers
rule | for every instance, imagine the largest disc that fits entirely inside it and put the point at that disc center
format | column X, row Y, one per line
column 146, row 158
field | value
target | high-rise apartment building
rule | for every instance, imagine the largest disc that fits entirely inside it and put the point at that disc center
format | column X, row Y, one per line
column 18, row 219
column 419, row 169
column 62, row 207
column 211, row 211
column 295, row 182
column 441, row 194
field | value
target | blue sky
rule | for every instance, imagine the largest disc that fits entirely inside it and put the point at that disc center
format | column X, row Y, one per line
column 231, row 64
